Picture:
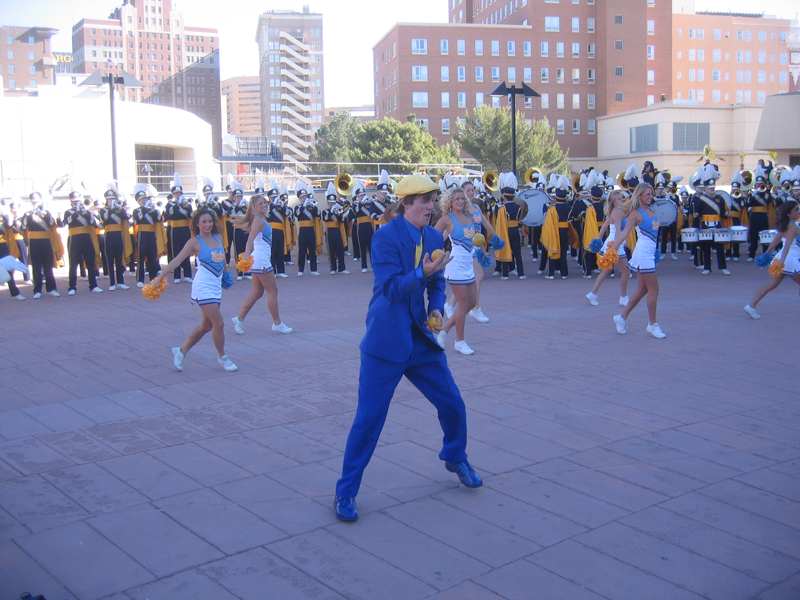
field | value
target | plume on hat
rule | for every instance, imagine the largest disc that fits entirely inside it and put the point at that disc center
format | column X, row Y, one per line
column 383, row 178
column 632, row 172
column 176, row 180
column 508, row 180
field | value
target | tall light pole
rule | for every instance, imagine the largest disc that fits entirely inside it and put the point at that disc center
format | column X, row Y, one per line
column 125, row 80
column 503, row 90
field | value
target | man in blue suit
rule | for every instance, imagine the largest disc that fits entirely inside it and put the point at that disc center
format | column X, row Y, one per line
column 400, row 342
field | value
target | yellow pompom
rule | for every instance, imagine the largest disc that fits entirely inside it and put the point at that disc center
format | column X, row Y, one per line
column 478, row 239
column 775, row 268
column 153, row 292
column 608, row 260
column 244, row 265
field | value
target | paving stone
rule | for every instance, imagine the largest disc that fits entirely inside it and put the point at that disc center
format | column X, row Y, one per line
column 149, row 476
column 140, row 402
column 663, row 481
column 154, row 540
column 756, row 501
column 32, row 456
column 296, row 516
column 94, row 489
column 37, row 504
column 166, row 429
column 86, row 562
column 247, row 454
column 78, row 446
column 207, row 421
column 199, row 464
column 123, row 438
column 786, row 590
column 248, row 414
column 84, row 386
column 748, row 558
column 58, row 417
column 311, row 479
column 16, row 424
column 249, row 574
column 256, row 489
column 294, row 445
column 189, row 585
column 605, row 575
column 10, row 528
column 609, row 489
column 100, row 410
column 698, row 468
column 20, row 573
column 522, row 580
column 773, row 481
column 180, row 396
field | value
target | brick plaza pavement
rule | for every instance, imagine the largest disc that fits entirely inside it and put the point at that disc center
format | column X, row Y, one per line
column 617, row 467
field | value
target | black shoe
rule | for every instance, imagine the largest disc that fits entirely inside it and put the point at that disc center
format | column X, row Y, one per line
column 345, row 509
column 465, row 473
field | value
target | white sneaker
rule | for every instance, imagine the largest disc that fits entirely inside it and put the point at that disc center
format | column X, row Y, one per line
column 226, row 363
column 441, row 338
column 246, row 277
column 280, row 327
column 288, row 262
column 281, row 275
column 315, row 273
column 19, row 297
column 592, row 298
column 357, row 259
column 623, row 300
column 84, row 279
column 345, row 272
column 333, row 272
column 549, row 277
column 540, row 272
column 54, row 294
column 363, row 270
column 612, row 275
column 726, row 272
column 750, row 259
column 448, row 310
column 656, row 331
column 587, row 276
column 37, row 295
column 177, row 358
column 111, row 288
column 122, row 286
column 238, row 327
column 464, row 348
column 496, row 274
column 699, row 267
column 477, row 314
column 752, row 312
column 735, row 259
column 97, row 290
column 187, row 279
column 176, row 281
column 299, row 273
column 140, row 284
column 674, row 257
column 564, row 276
column 525, row 277
column 706, row 272
column 514, row 272
column 621, row 324
column 71, row 293
column 240, row 277
column 504, row 279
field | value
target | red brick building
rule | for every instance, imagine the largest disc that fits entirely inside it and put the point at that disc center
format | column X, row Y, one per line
column 26, row 58
column 586, row 59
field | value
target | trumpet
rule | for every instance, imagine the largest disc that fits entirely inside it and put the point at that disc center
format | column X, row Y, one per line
column 490, row 180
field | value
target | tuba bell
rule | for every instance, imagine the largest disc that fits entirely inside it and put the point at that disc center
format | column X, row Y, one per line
column 622, row 182
column 749, row 180
column 491, row 181
column 530, row 173
column 775, row 175
column 344, row 184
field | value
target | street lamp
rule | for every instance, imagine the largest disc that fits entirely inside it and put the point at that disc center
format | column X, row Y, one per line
column 504, row 90
column 125, row 80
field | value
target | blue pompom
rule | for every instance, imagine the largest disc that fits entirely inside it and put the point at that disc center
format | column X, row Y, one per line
column 764, row 260
column 657, row 256
column 483, row 259
column 596, row 245
column 497, row 243
column 227, row 280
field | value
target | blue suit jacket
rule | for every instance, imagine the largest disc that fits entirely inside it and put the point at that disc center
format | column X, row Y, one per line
column 398, row 296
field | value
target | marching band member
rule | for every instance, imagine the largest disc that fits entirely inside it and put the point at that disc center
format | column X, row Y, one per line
column 281, row 230
column 508, row 216
column 307, row 215
column 643, row 260
column 82, row 242
column 44, row 245
column 712, row 211
column 759, row 206
column 670, row 232
column 363, row 211
column 178, row 215
column 206, row 245
column 335, row 218
column 595, row 213
column 737, row 212
column 236, row 193
column 259, row 247
column 117, row 241
column 555, row 231
column 291, row 233
column 615, row 224
column 577, row 217
column 399, row 341
column 787, row 216
column 150, row 234
column 8, row 247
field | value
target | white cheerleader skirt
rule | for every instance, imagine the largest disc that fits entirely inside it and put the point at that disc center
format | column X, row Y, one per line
column 262, row 255
column 460, row 270
column 791, row 265
column 643, row 259
column 206, row 287
column 607, row 245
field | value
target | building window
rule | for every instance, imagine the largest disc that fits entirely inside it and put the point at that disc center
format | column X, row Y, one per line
column 495, row 73
column 762, row 36
column 576, row 75
column 651, row 77
column 747, row 95
column 691, row 74
column 715, row 95
column 748, row 56
column 528, row 104
column 559, row 75
column 526, row 74
column 591, row 126
column 495, row 47
column 478, row 99
column 576, row 126
column 690, row 136
column 762, row 57
column 782, row 58
column 445, row 99
column 651, row 52
column 545, row 100
column 651, row 27
column 782, row 77
column 526, row 48
column 444, row 46
column 692, row 55
column 590, row 25
column 512, row 74
column 461, row 47
column 576, row 50
column 551, row 24
column 462, row 100
column 590, row 50
column 618, row 45
column 747, row 76
column 419, row 99
column 479, row 74
column 545, row 46
column 761, row 95
column 32, row 70
column 419, row 73
column 445, row 126
column 545, row 75
column 559, row 49
column 462, row 73
column 618, row 97
column 618, row 71
column 10, row 55
column 576, row 101
column 512, row 48
column 560, row 126
column 559, row 100
column 617, row 19
column 590, row 101
column 478, row 47
column 739, row 56
column 717, row 34
column 445, row 70
column 644, row 138
column 419, row 46
column 715, row 75
column 590, row 75
column 576, row 24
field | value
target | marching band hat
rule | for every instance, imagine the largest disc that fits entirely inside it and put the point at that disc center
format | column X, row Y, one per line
column 35, row 196
column 75, row 195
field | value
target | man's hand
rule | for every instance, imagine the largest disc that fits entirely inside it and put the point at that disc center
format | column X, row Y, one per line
column 429, row 267
column 435, row 322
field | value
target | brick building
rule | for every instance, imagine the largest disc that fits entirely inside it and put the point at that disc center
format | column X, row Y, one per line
column 725, row 58
column 585, row 59
column 178, row 64
column 26, row 58
column 242, row 96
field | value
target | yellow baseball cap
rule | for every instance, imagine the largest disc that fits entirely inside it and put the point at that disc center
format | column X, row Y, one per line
column 415, row 184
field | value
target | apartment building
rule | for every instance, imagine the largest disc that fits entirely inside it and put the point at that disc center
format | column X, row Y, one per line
column 177, row 63
column 26, row 58
column 242, row 105
column 727, row 58
column 291, row 73
column 585, row 59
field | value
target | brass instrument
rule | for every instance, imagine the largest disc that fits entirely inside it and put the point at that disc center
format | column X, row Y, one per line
column 691, row 181
column 762, row 187
column 530, row 173
column 344, row 184
column 622, row 182
column 749, row 180
column 775, row 175
column 787, row 187
column 736, row 194
column 576, row 183
column 673, row 189
column 491, row 181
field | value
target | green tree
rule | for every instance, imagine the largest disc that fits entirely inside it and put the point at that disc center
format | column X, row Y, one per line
column 486, row 136
column 333, row 144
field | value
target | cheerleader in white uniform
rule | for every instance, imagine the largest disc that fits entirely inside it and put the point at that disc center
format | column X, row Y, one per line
column 207, row 246
column 616, row 225
column 786, row 217
column 643, row 259
column 259, row 246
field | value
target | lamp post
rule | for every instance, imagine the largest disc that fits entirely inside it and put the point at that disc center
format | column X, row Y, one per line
column 504, row 90
column 125, row 80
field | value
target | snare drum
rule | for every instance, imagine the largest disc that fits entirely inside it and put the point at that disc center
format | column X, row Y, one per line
column 722, row 236
column 706, row 235
column 739, row 233
column 689, row 235
column 767, row 236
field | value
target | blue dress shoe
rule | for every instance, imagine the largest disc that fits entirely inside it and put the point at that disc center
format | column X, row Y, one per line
column 465, row 473
column 346, row 508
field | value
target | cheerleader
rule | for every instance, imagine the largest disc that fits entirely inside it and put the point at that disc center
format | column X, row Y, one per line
column 206, row 245
column 615, row 224
column 643, row 260
column 259, row 247
column 787, row 215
